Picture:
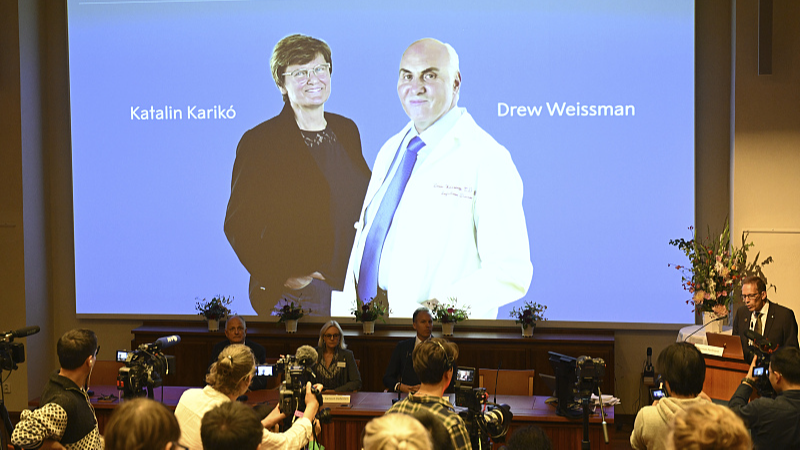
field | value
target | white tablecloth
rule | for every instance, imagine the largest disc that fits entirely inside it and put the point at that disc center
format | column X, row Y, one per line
column 699, row 337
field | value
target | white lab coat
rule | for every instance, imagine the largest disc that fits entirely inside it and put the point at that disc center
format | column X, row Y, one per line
column 459, row 229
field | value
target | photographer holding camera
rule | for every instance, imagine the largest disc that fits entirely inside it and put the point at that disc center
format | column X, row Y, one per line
column 773, row 422
column 684, row 370
column 230, row 378
column 433, row 362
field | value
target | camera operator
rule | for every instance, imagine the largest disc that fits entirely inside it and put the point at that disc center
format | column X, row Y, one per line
column 683, row 370
column 773, row 422
column 65, row 414
column 433, row 362
column 229, row 378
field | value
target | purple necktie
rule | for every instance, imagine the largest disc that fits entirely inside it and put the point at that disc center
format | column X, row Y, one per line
column 367, row 286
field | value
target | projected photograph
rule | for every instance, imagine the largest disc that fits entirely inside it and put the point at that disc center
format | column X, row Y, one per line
column 259, row 150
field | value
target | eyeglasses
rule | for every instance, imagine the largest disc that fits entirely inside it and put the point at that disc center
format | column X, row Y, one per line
column 331, row 336
column 319, row 71
column 751, row 296
column 97, row 352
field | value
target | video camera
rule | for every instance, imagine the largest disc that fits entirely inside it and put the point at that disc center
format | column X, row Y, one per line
column 145, row 367
column 763, row 349
column 482, row 426
column 297, row 372
column 13, row 353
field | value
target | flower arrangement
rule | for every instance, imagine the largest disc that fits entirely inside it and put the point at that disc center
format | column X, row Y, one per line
column 529, row 313
column 447, row 312
column 215, row 309
column 370, row 311
column 287, row 309
column 717, row 269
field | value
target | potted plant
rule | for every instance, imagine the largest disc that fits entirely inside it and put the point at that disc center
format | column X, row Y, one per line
column 527, row 315
column 448, row 314
column 368, row 312
column 715, row 273
column 214, row 310
column 289, row 312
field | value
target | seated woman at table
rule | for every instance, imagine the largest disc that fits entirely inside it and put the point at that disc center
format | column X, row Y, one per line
column 336, row 367
column 142, row 424
column 228, row 379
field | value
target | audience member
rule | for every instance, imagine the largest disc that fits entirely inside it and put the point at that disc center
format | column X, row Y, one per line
column 394, row 432
column 231, row 425
column 707, row 426
column 142, row 424
column 400, row 375
column 683, row 370
column 529, row 438
column 433, row 362
column 773, row 422
column 65, row 414
column 440, row 437
column 229, row 378
column 336, row 366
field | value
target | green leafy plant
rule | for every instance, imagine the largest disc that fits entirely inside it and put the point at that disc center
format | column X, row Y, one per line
column 447, row 312
column 529, row 313
column 287, row 309
column 215, row 309
column 369, row 311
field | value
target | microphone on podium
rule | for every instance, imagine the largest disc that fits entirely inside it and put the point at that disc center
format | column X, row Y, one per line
column 703, row 327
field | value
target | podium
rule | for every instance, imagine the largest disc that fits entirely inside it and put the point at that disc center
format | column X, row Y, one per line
column 723, row 376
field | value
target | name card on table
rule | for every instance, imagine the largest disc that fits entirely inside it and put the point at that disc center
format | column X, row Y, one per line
column 710, row 349
column 330, row 399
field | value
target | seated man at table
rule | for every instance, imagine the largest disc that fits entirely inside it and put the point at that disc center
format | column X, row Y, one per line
column 236, row 333
column 433, row 362
column 758, row 314
column 683, row 370
column 773, row 422
column 400, row 375
column 65, row 414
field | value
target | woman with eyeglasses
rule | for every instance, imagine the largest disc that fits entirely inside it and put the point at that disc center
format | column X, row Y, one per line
column 336, row 366
column 298, row 183
column 228, row 379
column 142, row 424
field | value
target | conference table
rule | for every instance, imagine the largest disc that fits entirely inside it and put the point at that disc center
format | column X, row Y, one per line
column 349, row 420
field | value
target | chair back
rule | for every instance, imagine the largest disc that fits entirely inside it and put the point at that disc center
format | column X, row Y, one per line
column 509, row 382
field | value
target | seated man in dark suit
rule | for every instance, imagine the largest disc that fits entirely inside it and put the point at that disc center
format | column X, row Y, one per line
column 400, row 375
column 236, row 333
column 775, row 322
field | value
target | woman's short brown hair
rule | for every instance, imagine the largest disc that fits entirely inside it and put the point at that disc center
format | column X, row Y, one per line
column 141, row 424
column 296, row 49
column 433, row 358
column 232, row 367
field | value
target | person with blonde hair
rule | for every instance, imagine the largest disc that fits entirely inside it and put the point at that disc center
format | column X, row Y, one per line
column 395, row 431
column 336, row 366
column 142, row 424
column 228, row 379
column 708, row 427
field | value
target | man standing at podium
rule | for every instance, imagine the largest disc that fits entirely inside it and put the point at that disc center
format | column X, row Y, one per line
column 758, row 314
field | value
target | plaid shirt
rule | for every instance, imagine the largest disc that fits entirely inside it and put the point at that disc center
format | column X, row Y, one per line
column 440, row 408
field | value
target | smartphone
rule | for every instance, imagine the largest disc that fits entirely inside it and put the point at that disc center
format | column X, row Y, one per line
column 265, row 370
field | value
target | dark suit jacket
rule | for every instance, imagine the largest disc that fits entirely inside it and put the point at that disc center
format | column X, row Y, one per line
column 278, row 219
column 780, row 329
column 401, row 367
column 349, row 379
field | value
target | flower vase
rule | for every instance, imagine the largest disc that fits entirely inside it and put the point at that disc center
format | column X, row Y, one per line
column 369, row 327
column 527, row 330
column 291, row 326
column 447, row 328
column 710, row 322
column 213, row 324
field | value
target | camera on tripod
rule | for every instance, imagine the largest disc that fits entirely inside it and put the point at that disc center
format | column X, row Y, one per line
column 145, row 367
column 763, row 349
column 13, row 353
column 482, row 426
column 297, row 372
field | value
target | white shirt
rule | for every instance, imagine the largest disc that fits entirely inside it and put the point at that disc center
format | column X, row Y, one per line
column 195, row 403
